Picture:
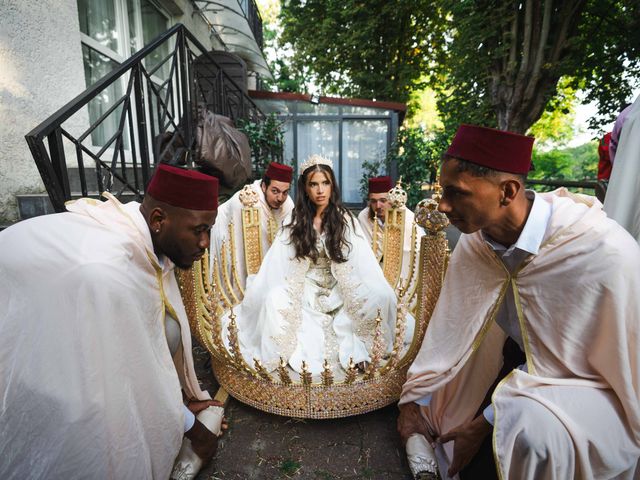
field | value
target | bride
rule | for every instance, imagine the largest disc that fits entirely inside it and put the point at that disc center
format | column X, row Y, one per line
column 319, row 288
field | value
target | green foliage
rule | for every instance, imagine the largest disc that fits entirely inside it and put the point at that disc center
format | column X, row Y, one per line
column 607, row 62
column 289, row 467
column 461, row 81
column 497, row 63
column 377, row 49
column 422, row 110
column 266, row 142
column 556, row 123
column 576, row 163
column 286, row 77
column 495, row 74
column 417, row 156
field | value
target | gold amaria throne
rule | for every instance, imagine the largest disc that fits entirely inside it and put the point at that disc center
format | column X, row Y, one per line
column 334, row 393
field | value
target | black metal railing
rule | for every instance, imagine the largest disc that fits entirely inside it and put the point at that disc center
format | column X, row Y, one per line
column 590, row 187
column 164, row 85
column 255, row 22
column 556, row 183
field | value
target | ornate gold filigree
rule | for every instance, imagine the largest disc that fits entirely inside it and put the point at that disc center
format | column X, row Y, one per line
column 335, row 394
column 224, row 267
column 234, row 260
column 352, row 372
column 252, row 238
column 409, row 281
column 272, row 229
column 393, row 244
column 327, row 374
column 264, row 374
column 427, row 214
column 283, row 372
column 234, row 345
column 248, row 196
column 305, row 374
column 397, row 196
column 377, row 349
column 398, row 340
column 375, row 237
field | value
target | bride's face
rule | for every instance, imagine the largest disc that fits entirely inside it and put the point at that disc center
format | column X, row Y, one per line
column 318, row 189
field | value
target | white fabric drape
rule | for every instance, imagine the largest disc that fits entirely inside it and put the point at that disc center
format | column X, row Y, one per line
column 299, row 311
column 577, row 409
column 88, row 387
column 231, row 211
column 623, row 193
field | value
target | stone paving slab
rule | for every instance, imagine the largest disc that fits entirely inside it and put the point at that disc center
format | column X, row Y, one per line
column 260, row 445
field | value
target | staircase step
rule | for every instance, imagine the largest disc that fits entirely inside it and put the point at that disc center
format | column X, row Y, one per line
column 92, row 180
column 36, row 204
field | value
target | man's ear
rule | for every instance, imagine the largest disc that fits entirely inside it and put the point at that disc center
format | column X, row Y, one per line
column 510, row 190
column 263, row 187
column 157, row 218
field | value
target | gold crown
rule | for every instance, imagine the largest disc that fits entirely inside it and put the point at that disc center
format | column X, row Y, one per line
column 315, row 160
column 332, row 393
column 397, row 195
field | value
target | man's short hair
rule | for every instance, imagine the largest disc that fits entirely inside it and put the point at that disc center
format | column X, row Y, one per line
column 266, row 180
column 476, row 170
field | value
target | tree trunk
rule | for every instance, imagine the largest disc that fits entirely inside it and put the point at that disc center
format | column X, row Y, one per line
column 538, row 34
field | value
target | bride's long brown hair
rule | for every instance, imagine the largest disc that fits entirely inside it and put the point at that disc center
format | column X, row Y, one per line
column 334, row 220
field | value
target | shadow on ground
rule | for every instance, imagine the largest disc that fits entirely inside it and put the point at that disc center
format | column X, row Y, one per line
column 259, row 445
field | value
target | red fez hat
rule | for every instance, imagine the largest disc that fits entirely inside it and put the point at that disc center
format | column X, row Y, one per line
column 496, row 149
column 380, row 184
column 279, row 172
column 184, row 188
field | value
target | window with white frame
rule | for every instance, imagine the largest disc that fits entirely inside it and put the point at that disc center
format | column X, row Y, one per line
column 111, row 31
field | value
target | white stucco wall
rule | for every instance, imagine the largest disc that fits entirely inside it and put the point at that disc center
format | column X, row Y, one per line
column 40, row 70
column 183, row 11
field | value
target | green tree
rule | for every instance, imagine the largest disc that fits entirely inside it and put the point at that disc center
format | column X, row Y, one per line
column 492, row 62
column 266, row 142
column 505, row 58
column 574, row 163
column 376, row 49
column 286, row 78
column 422, row 110
column 416, row 155
column 556, row 124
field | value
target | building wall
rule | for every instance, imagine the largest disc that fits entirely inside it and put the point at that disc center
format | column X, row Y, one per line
column 183, row 11
column 41, row 69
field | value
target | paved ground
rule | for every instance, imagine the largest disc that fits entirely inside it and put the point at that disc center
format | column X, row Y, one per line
column 263, row 446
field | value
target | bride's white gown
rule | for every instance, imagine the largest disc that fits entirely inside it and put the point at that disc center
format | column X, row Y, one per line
column 299, row 310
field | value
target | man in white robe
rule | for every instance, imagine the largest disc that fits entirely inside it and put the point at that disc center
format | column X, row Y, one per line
column 378, row 198
column 558, row 278
column 96, row 371
column 274, row 204
column 623, row 192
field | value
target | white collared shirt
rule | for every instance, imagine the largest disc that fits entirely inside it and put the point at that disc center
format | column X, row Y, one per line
column 528, row 243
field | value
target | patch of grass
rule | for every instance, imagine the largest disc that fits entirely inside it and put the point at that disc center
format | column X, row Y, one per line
column 289, row 467
column 323, row 475
column 367, row 473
